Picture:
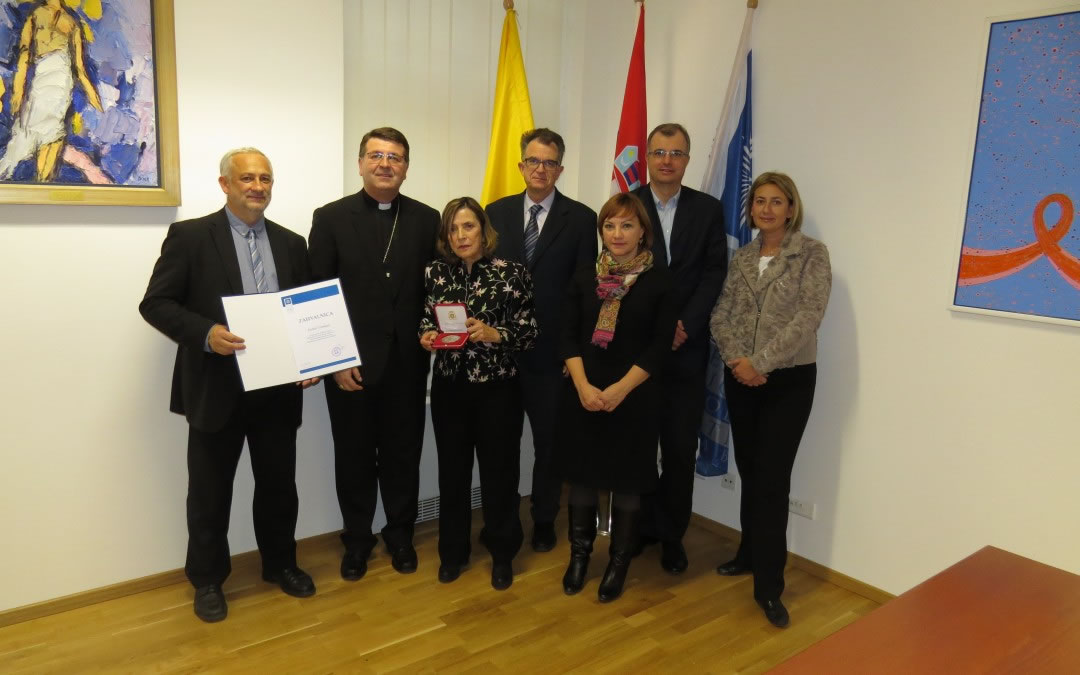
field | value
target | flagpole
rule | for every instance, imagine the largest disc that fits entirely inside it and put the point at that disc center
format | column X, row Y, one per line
column 718, row 137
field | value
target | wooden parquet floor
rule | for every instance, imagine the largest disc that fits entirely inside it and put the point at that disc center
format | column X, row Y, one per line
column 392, row 623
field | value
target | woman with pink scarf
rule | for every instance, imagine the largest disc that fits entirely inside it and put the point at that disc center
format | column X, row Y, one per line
column 616, row 334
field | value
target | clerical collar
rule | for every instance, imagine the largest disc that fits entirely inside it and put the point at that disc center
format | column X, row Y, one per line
column 376, row 204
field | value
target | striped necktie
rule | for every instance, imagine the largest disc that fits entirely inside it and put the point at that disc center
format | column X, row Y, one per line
column 532, row 233
column 256, row 263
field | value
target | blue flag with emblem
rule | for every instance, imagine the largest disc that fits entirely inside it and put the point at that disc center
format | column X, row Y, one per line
column 728, row 178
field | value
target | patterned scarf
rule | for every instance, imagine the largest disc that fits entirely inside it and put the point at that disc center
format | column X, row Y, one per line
column 613, row 282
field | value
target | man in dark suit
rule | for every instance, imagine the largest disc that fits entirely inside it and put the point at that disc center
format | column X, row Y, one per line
column 377, row 242
column 553, row 235
column 231, row 252
column 691, row 242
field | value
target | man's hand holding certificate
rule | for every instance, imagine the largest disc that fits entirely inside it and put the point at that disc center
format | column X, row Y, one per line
column 293, row 335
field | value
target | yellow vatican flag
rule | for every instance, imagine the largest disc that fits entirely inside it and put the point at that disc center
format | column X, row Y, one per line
column 511, row 117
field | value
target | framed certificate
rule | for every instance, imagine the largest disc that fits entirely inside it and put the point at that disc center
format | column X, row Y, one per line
column 451, row 317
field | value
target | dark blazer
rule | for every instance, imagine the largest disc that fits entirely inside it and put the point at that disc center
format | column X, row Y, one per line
column 698, row 262
column 385, row 312
column 197, row 267
column 567, row 242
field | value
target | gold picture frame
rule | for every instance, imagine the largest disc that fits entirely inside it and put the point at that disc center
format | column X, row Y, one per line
column 166, row 190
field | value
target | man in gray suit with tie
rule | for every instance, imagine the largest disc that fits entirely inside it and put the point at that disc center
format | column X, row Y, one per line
column 553, row 236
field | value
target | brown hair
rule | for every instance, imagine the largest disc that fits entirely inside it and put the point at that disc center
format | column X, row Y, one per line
column 626, row 204
column 387, row 134
column 442, row 243
column 669, row 129
column 783, row 182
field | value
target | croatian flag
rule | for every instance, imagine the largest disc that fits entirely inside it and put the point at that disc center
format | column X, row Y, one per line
column 629, row 170
column 728, row 178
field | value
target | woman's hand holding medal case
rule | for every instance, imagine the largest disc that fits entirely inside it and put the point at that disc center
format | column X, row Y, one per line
column 451, row 317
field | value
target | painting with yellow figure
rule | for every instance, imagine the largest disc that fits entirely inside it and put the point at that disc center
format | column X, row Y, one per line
column 77, row 93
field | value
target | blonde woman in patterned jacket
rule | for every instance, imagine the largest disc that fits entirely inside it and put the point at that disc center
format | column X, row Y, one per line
column 475, row 395
column 765, row 326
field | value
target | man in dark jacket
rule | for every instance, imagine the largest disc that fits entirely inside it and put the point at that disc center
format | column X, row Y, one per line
column 231, row 252
column 691, row 242
column 552, row 235
column 377, row 242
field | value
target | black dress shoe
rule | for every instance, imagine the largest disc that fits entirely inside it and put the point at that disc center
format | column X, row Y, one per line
column 210, row 603
column 293, row 580
column 673, row 557
column 404, row 560
column 449, row 573
column 543, row 539
column 775, row 612
column 502, row 576
column 353, row 566
column 732, row 568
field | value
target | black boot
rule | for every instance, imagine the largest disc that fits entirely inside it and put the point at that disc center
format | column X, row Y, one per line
column 582, row 535
column 624, row 534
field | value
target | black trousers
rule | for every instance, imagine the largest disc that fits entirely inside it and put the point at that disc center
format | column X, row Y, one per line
column 212, row 458
column 767, row 423
column 378, row 437
column 484, row 417
column 666, row 512
column 541, row 393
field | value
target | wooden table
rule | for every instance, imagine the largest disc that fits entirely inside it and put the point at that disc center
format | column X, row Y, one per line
column 992, row 612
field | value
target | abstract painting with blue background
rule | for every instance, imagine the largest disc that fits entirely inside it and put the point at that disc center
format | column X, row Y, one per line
column 1020, row 244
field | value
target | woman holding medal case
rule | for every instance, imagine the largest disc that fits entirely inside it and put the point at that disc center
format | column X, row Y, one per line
column 475, row 397
column 617, row 333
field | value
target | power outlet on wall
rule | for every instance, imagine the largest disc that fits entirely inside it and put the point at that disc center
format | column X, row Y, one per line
column 801, row 508
column 727, row 481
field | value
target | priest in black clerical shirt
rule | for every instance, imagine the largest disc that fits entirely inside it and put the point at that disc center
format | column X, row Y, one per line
column 377, row 242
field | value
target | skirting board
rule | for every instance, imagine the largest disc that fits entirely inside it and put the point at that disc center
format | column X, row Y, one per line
column 427, row 509
column 251, row 558
column 806, row 565
column 122, row 589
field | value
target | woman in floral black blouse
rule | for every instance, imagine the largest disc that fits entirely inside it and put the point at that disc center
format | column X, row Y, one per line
column 475, row 396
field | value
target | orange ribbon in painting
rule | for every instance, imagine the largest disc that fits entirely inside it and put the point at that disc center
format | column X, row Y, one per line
column 978, row 266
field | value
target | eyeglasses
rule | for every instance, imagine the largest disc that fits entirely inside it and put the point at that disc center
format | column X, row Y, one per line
column 535, row 162
column 392, row 158
column 673, row 154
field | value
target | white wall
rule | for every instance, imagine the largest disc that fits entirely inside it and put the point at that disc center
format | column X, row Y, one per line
column 428, row 68
column 94, row 479
column 933, row 433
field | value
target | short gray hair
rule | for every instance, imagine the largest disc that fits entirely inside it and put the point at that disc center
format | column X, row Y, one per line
column 225, row 167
